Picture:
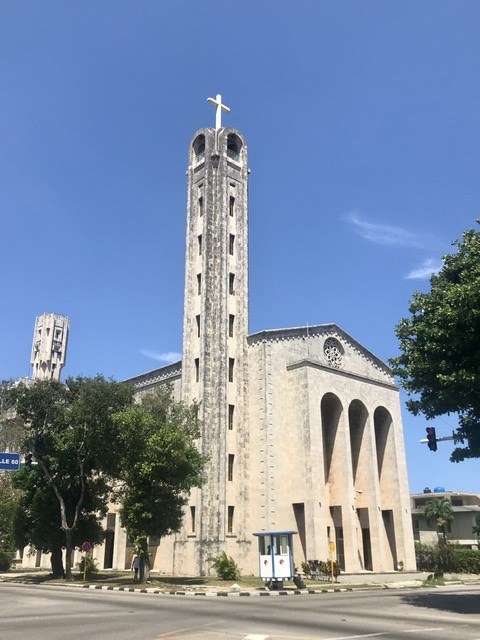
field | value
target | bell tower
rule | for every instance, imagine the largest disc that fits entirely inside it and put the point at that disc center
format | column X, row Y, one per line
column 49, row 347
column 215, row 326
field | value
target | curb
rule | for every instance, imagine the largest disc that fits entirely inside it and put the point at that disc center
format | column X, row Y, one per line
column 220, row 594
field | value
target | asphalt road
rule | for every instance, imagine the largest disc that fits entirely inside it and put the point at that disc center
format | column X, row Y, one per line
column 57, row 613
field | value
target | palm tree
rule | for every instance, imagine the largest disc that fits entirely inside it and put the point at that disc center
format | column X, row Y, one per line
column 476, row 529
column 440, row 511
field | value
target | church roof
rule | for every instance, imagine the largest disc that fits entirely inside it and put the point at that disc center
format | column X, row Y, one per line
column 311, row 331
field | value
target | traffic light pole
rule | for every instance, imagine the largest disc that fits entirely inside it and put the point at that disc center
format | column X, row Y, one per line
column 438, row 438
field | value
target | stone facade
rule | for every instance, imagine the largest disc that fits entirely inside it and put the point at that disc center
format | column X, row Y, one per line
column 302, row 425
column 49, row 348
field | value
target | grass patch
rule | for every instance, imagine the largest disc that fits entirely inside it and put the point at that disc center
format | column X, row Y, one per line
column 431, row 581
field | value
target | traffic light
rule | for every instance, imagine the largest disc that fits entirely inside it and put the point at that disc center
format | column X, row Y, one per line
column 432, row 438
column 28, row 460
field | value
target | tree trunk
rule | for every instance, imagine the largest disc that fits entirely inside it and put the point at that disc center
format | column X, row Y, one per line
column 68, row 554
column 144, row 573
column 56, row 562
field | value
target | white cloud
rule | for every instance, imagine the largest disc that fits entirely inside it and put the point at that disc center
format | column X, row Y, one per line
column 384, row 234
column 425, row 270
column 169, row 356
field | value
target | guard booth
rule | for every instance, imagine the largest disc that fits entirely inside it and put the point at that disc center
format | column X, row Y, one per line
column 275, row 551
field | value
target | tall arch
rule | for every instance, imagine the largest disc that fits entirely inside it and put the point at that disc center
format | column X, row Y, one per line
column 383, row 441
column 357, row 418
column 331, row 411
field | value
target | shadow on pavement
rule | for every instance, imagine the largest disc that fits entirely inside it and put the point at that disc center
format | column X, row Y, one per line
column 455, row 602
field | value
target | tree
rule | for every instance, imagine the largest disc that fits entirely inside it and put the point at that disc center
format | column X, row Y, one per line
column 158, row 465
column 439, row 365
column 69, row 431
column 37, row 518
column 440, row 512
column 11, row 434
column 476, row 529
column 9, row 501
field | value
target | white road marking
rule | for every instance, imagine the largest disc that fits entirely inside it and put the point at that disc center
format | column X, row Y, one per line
column 385, row 633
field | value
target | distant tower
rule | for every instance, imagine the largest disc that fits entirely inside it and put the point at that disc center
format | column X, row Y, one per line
column 49, row 349
column 214, row 366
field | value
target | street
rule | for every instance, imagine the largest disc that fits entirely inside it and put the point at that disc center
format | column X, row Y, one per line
column 57, row 612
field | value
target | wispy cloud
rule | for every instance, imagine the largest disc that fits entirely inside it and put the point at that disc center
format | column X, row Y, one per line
column 425, row 270
column 384, row 234
column 169, row 356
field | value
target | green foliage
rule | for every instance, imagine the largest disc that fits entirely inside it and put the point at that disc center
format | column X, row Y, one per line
column 158, row 463
column 68, row 429
column 316, row 569
column 6, row 560
column 9, row 502
column 87, row 566
column 467, row 561
column 476, row 527
column 225, row 566
column 443, row 557
column 439, row 511
column 439, row 365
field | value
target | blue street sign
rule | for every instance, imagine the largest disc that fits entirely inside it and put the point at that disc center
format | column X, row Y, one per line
column 9, row 461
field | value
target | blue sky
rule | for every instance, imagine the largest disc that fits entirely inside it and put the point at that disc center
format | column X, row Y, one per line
column 362, row 121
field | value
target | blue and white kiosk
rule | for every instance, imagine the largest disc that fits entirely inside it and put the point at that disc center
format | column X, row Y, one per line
column 275, row 550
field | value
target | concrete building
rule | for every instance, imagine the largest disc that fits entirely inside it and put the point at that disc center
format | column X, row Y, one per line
column 49, row 348
column 466, row 509
column 302, row 425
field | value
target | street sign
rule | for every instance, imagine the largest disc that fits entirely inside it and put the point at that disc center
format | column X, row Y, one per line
column 9, row 461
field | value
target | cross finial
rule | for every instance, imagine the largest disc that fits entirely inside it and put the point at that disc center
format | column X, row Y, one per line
column 218, row 112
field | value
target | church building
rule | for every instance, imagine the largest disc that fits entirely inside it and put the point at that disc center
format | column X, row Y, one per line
column 302, row 425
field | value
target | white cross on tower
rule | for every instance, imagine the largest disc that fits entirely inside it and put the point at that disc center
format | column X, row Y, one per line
column 218, row 113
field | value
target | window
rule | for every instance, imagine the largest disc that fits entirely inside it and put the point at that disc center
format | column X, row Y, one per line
column 231, row 458
column 231, row 244
column 234, row 146
column 231, row 206
column 231, row 364
column 230, row 519
column 200, row 206
column 231, row 411
column 199, row 148
column 231, row 284
column 231, row 321
column 197, row 369
column 197, row 319
column 200, row 245
column 199, row 283
column 192, row 519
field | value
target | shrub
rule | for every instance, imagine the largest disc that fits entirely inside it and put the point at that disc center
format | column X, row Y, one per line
column 467, row 561
column 91, row 566
column 314, row 568
column 225, row 566
column 443, row 556
column 6, row 559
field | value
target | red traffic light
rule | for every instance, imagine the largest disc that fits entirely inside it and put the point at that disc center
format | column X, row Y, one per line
column 432, row 438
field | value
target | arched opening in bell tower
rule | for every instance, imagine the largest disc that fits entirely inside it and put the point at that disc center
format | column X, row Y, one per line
column 234, row 147
column 199, row 147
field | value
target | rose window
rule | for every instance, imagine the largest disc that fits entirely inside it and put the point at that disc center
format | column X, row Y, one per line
column 333, row 352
